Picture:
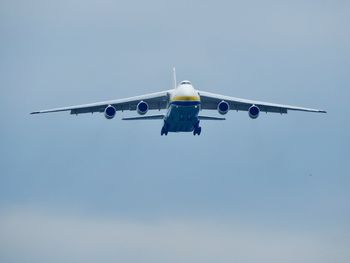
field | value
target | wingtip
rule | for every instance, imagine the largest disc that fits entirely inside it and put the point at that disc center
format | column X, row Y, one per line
column 35, row 112
column 323, row 111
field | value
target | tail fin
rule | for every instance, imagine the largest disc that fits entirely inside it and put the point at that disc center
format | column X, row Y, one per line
column 174, row 78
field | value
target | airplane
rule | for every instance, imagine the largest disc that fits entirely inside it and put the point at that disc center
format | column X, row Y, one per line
column 182, row 104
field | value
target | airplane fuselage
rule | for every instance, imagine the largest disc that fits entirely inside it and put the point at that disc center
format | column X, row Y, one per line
column 183, row 110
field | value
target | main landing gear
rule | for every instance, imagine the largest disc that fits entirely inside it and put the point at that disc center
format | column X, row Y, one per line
column 164, row 131
column 197, row 130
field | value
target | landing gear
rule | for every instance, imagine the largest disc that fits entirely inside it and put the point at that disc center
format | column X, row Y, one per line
column 197, row 129
column 164, row 130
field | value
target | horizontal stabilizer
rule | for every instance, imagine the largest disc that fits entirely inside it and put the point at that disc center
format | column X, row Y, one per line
column 151, row 117
column 208, row 118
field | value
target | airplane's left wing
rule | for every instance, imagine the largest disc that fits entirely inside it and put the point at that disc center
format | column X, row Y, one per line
column 158, row 100
column 210, row 101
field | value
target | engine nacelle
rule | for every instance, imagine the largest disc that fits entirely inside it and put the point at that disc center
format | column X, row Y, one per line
column 223, row 107
column 110, row 112
column 254, row 112
column 142, row 108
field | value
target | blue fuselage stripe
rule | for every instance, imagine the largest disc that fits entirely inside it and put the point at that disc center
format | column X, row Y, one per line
column 185, row 103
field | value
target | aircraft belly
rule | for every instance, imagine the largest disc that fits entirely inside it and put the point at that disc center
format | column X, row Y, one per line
column 182, row 118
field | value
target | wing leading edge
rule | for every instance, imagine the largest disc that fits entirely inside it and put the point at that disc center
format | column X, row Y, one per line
column 209, row 101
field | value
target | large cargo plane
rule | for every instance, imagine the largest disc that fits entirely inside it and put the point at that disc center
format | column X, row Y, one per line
column 183, row 105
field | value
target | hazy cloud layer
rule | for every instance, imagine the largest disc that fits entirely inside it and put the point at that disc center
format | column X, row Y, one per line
column 32, row 236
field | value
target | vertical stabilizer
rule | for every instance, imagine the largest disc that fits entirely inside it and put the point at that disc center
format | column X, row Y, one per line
column 174, row 78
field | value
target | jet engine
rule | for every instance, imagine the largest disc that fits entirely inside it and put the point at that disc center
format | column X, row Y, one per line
column 142, row 108
column 110, row 112
column 223, row 107
column 254, row 112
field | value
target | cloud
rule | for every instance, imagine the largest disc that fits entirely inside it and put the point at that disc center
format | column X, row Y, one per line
column 33, row 236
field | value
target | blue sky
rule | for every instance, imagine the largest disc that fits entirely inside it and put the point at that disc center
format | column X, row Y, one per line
column 84, row 188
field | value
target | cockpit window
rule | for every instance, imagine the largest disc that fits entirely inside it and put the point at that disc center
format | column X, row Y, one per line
column 185, row 82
